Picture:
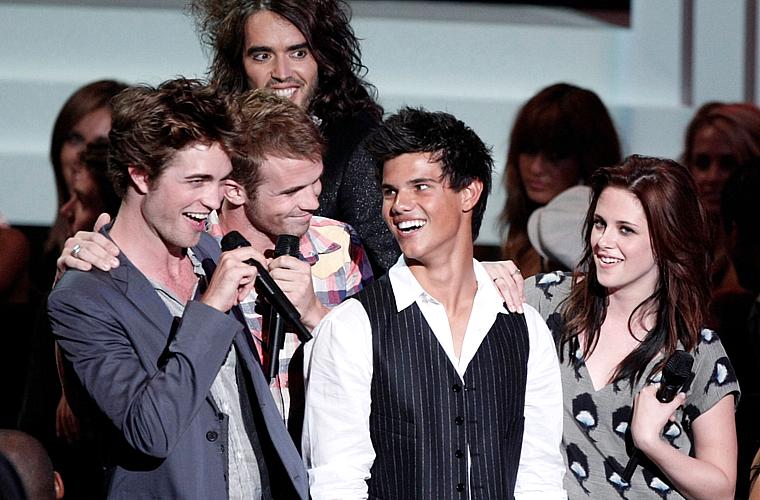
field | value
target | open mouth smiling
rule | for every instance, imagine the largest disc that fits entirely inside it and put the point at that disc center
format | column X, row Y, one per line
column 408, row 226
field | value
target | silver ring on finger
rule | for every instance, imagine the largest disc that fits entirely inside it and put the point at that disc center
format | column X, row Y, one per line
column 516, row 271
column 75, row 251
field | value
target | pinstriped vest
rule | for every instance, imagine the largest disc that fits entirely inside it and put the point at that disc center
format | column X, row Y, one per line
column 424, row 417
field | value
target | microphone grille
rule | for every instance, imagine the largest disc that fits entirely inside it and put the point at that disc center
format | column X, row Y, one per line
column 678, row 367
column 233, row 240
column 287, row 244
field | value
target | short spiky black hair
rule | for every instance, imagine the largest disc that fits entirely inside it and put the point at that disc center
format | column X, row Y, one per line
column 462, row 155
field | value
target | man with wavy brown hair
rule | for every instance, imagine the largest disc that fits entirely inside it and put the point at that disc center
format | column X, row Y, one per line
column 307, row 52
column 174, row 386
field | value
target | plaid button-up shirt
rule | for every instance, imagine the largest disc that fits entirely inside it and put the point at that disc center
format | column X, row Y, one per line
column 339, row 269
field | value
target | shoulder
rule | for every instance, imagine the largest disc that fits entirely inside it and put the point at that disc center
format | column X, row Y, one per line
column 538, row 332
column 87, row 291
column 546, row 291
column 327, row 227
column 350, row 129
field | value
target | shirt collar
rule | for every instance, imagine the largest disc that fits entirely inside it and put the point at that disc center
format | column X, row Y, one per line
column 314, row 244
column 407, row 290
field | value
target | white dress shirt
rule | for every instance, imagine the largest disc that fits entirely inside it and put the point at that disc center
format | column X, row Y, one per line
column 337, row 447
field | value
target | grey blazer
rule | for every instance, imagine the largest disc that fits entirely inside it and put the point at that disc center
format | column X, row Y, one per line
column 149, row 375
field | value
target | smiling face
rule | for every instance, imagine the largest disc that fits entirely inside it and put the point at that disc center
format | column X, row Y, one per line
column 176, row 204
column 276, row 56
column 545, row 178
column 92, row 126
column 428, row 219
column 622, row 246
column 286, row 196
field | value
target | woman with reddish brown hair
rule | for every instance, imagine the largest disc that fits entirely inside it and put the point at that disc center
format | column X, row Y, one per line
column 644, row 296
column 560, row 137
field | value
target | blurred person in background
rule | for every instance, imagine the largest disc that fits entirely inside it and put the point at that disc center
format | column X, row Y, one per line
column 720, row 139
column 84, row 117
column 559, row 138
column 45, row 412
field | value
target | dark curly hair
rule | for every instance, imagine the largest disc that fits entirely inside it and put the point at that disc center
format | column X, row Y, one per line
column 324, row 24
column 462, row 155
column 151, row 124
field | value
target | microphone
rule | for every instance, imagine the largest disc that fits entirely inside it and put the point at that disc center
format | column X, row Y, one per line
column 268, row 287
column 675, row 375
column 286, row 245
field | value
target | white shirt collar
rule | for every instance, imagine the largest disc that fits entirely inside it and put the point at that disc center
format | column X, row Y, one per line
column 407, row 289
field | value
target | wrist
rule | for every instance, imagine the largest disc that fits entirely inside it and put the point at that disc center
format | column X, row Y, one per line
column 314, row 315
column 648, row 443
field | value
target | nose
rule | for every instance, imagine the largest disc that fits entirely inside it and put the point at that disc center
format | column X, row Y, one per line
column 537, row 164
column 212, row 197
column 281, row 70
column 402, row 202
column 309, row 201
column 606, row 238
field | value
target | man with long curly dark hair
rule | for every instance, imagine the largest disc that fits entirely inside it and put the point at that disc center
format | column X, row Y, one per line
column 306, row 50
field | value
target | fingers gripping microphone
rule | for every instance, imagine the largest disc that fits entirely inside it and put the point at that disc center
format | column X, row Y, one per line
column 268, row 287
column 286, row 245
column 675, row 375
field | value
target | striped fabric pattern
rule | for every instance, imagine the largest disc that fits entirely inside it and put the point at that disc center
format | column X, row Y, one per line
column 424, row 418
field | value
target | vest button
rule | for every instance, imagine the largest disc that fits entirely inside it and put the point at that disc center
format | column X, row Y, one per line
column 460, row 487
column 459, row 420
column 212, row 436
column 456, row 387
column 459, row 454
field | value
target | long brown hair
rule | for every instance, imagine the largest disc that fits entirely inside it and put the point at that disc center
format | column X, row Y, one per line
column 681, row 247
column 561, row 121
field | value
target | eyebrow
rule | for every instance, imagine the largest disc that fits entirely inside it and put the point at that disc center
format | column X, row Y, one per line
column 618, row 222
column 201, row 177
column 264, row 48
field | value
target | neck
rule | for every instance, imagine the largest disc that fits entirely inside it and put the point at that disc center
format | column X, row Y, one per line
column 143, row 246
column 451, row 281
column 622, row 303
column 234, row 218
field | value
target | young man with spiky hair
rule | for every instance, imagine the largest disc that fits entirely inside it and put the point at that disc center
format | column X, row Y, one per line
column 423, row 385
column 175, row 386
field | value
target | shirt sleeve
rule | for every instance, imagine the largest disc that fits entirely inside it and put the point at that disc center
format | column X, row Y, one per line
column 337, row 448
column 714, row 376
column 541, row 470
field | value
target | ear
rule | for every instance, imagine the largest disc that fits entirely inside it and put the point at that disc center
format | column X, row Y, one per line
column 58, row 485
column 139, row 178
column 234, row 193
column 471, row 194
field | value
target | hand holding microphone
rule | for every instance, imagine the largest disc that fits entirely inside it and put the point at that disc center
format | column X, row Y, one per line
column 267, row 286
column 651, row 413
column 286, row 245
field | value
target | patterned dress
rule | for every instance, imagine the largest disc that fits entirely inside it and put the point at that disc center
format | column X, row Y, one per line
column 596, row 442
